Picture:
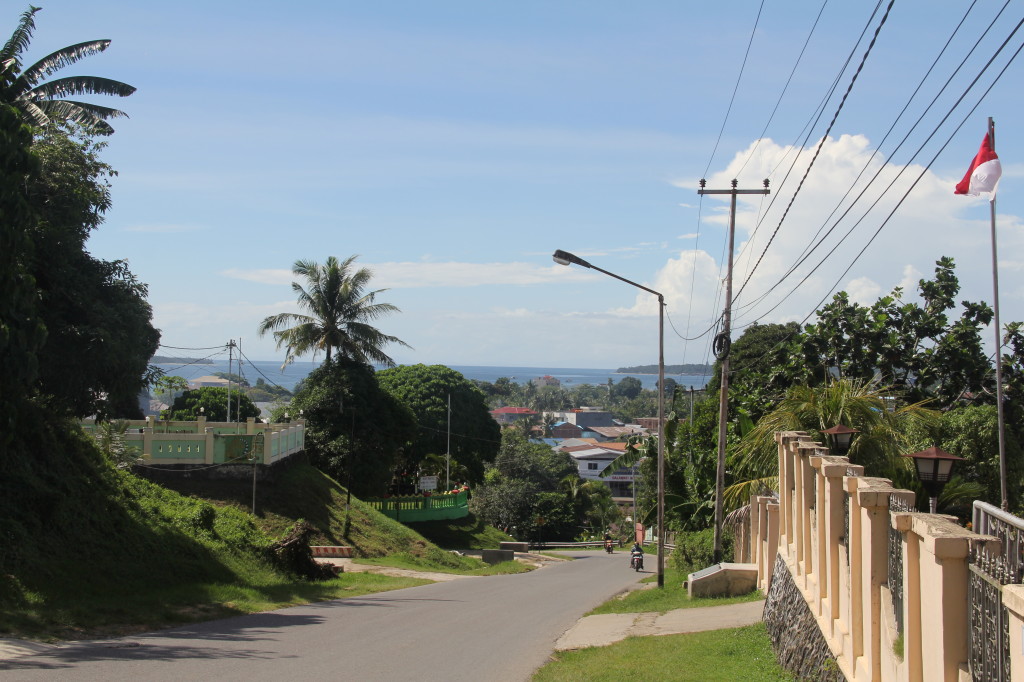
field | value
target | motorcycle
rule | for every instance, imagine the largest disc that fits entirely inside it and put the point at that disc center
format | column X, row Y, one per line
column 636, row 561
column 608, row 546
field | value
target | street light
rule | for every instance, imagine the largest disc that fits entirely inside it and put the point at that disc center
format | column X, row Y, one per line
column 934, row 469
column 842, row 437
column 566, row 258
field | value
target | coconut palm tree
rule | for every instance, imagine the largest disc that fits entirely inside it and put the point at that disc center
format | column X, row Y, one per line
column 339, row 311
column 40, row 101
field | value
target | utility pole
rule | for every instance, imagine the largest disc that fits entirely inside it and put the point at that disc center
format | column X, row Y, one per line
column 231, row 348
column 448, row 449
column 721, row 348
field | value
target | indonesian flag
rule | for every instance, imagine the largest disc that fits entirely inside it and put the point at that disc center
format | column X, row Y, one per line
column 983, row 175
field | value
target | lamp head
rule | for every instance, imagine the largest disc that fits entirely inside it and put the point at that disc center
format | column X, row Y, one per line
column 566, row 258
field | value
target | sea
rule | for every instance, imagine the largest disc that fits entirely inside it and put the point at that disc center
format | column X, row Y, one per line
column 272, row 372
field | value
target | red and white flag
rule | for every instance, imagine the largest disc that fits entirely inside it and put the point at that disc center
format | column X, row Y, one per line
column 983, row 175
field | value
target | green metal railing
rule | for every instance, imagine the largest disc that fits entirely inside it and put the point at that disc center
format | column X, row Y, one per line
column 423, row 507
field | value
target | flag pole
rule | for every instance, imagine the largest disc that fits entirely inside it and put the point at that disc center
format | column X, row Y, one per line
column 1005, row 504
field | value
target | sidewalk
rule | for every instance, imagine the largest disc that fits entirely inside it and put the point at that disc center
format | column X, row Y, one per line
column 609, row 628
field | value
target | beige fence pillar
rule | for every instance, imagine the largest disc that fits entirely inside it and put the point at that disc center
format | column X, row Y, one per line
column 942, row 602
column 787, row 441
column 208, row 446
column 806, row 501
column 873, row 502
column 1013, row 600
column 771, row 542
column 831, row 529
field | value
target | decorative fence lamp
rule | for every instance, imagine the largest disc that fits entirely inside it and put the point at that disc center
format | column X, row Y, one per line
column 934, row 469
column 842, row 437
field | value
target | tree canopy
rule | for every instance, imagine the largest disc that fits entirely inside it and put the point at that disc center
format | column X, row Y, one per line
column 425, row 390
column 355, row 430
column 41, row 101
column 339, row 310
column 212, row 401
column 99, row 323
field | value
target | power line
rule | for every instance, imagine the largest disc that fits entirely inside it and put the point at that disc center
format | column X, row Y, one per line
column 808, row 251
column 821, row 144
column 905, row 167
column 736, row 88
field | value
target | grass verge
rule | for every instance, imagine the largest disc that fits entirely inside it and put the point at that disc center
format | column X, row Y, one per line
column 717, row 656
column 466, row 565
column 670, row 597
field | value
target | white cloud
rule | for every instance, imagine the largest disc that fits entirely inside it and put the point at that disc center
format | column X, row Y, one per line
column 930, row 223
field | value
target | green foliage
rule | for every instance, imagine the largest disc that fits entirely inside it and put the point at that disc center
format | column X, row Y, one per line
column 884, row 434
column 915, row 348
column 113, row 443
column 133, row 535
column 100, row 333
column 21, row 331
column 41, row 102
column 425, row 389
column 534, row 493
column 356, row 431
column 763, row 362
column 695, row 550
column 212, row 401
column 743, row 653
column 972, row 432
column 469, row 532
column 168, row 387
column 340, row 311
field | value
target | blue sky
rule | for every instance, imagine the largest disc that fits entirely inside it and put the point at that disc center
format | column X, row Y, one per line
column 455, row 145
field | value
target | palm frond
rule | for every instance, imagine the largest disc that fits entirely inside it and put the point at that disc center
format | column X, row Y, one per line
column 66, row 56
column 33, row 115
column 20, row 39
column 61, row 88
column 739, row 494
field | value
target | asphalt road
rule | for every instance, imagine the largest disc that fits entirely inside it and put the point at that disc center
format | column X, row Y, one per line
column 499, row 628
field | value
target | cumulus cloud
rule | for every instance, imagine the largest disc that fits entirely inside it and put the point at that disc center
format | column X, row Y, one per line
column 793, row 277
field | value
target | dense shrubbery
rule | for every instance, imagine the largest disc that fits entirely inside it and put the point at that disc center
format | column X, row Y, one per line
column 695, row 550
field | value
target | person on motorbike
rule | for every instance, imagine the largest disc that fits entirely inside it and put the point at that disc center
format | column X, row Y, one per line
column 608, row 543
column 636, row 555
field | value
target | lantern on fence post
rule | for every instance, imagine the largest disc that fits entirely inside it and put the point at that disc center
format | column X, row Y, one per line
column 841, row 437
column 934, row 469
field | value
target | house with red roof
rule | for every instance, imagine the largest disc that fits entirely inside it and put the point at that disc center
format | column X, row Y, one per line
column 510, row 415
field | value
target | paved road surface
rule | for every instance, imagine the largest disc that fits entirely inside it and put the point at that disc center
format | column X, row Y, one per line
column 498, row 628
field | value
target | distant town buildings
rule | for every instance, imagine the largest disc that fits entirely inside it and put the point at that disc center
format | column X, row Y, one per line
column 546, row 380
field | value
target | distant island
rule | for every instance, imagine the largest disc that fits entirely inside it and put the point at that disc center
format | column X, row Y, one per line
column 166, row 360
column 687, row 370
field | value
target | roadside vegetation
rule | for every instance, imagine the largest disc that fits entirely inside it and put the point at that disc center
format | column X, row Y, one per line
column 672, row 596
column 717, row 656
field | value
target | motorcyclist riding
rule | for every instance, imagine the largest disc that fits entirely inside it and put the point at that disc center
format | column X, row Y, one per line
column 636, row 557
column 608, row 543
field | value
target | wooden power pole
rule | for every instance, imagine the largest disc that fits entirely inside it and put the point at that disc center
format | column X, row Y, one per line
column 722, row 343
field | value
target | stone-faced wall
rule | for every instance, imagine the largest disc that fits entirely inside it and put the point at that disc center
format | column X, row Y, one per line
column 798, row 643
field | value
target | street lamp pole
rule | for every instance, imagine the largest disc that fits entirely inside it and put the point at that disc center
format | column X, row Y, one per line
column 566, row 258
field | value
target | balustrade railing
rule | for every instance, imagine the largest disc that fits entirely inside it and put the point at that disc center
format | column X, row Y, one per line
column 989, row 640
column 895, row 581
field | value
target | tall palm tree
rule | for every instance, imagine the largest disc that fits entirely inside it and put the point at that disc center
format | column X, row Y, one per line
column 339, row 311
column 41, row 101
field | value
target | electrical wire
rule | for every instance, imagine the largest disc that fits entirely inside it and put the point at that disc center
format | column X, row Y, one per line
column 816, row 242
column 905, row 166
column 821, row 144
column 736, row 88
column 916, row 181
